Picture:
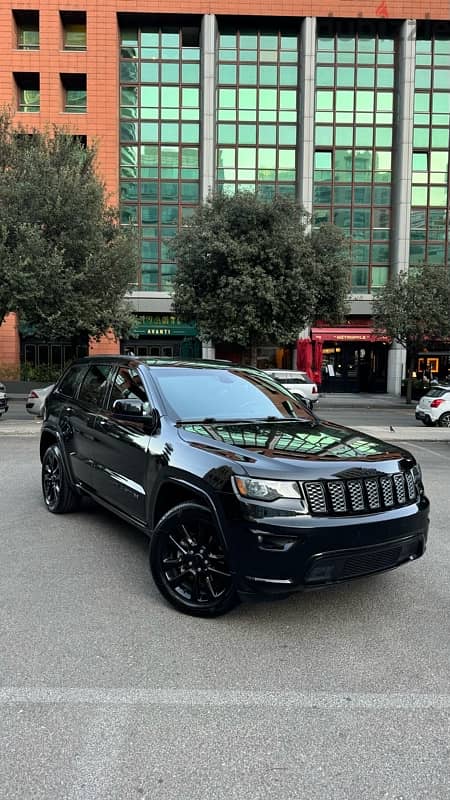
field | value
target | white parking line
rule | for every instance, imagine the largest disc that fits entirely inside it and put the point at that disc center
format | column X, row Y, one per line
column 226, row 697
column 411, row 446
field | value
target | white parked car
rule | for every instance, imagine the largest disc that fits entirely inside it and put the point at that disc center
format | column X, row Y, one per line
column 434, row 407
column 36, row 399
column 297, row 382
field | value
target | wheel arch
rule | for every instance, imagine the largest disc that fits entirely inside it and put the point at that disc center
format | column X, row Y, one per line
column 176, row 491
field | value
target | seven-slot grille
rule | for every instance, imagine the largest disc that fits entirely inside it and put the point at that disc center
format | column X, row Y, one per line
column 360, row 495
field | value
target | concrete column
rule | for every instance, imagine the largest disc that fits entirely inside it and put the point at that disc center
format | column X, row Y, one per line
column 208, row 350
column 208, row 47
column 401, row 180
column 306, row 107
column 396, row 368
column 403, row 149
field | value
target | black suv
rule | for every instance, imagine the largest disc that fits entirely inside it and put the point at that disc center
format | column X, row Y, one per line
column 241, row 489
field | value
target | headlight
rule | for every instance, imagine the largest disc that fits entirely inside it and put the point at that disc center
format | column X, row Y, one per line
column 417, row 473
column 260, row 489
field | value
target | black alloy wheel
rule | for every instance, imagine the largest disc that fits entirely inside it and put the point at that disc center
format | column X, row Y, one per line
column 188, row 562
column 444, row 420
column 59, row 497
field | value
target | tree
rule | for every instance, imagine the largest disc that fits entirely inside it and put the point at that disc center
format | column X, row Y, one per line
column 65, row 262
column 414, row 306
column 248, row 273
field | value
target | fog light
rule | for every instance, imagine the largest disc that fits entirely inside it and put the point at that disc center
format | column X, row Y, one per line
column 322, row 572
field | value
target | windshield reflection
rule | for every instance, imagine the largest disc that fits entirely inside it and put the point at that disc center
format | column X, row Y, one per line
column 205, row 394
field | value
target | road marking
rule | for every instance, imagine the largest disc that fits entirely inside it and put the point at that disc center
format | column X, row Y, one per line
column 428, row 450
column 226, row 697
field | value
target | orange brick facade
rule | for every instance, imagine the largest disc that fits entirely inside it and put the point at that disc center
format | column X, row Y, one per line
column 100, row 63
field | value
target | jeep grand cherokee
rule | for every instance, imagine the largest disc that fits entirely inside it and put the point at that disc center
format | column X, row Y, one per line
column 241, row 490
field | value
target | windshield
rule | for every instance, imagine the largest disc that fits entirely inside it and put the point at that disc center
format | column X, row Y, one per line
column 209, row 393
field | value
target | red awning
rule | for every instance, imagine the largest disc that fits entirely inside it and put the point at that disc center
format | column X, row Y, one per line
column 347, row 333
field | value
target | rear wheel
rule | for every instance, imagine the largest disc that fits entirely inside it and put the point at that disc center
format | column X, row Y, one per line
column 444, row 420
column 59, row 497
column 189, row 564
column 428, row 422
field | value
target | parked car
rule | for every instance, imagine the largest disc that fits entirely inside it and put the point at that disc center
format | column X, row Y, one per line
column 241, row 490
column 434, row 407
column 36, row 399
column 297, row 382
column 3, row 400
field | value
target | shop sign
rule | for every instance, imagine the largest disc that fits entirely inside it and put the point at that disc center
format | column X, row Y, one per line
column 162, row 325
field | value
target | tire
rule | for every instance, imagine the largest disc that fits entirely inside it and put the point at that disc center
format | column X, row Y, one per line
column 444, row 420
column 188, row 562
column 428, row 422
column 59, row 497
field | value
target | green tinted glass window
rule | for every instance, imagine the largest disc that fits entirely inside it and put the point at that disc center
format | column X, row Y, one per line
column 149, row 72
column 345, row 76
column 190, row 73
column 288, row 76
column 268, row 75
column 227, row 73
column 247, row 134
column 227, row 98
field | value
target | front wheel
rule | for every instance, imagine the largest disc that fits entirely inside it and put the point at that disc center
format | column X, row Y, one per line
column 444, row 420
column 59, row 497
column 189, row 564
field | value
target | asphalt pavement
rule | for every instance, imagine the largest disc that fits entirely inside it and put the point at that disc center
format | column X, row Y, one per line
column 107, row 693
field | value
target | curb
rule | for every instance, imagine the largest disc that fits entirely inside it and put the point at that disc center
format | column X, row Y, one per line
column 400, row 434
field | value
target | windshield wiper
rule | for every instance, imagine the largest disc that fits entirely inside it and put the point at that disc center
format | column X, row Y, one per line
column 214, row 421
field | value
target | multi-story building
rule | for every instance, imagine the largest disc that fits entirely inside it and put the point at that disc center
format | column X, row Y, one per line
column 344, row 106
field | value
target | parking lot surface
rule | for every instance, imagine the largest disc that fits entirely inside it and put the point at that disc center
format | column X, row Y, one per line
column 106, row 692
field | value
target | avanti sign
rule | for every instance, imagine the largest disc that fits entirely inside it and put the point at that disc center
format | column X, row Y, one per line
column 162, row 325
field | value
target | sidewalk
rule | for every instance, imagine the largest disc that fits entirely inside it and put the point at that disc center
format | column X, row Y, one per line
column 363, row 400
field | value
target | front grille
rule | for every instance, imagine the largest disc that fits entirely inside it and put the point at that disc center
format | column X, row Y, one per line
column 370, row 562
column 360, row 496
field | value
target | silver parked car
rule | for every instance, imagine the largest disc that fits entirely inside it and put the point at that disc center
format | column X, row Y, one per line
column 36, row 400
column 3, row 400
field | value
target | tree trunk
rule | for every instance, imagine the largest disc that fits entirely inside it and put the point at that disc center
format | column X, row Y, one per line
column 411, row 359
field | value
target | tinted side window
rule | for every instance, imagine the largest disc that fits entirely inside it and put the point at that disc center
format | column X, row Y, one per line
column 94, row 385
column 71, row 380
column 127, row 385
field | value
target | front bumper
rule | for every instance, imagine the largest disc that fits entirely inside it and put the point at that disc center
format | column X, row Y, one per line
column 270, row 559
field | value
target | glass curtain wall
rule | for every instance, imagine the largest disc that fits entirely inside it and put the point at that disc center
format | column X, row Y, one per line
column 159, row 139
column 353, row 142
column 430, row 175
column 257, row 96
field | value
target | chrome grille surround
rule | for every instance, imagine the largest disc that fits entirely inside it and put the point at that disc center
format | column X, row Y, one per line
column 373, row 493
column 399, row 483
column 315, row 495
column 387, row 492
column 337, row 495
column 360, row 496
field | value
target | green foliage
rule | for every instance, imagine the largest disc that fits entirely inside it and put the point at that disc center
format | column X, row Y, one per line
column 65, row 262
column 249, row 273
column 43, row 372
column 415, row 305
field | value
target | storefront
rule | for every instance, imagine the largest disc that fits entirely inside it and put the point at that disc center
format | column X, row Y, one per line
column 354, row 359
column 162, row 335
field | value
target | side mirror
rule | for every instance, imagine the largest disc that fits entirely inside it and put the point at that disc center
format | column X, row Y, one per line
column 138, row 411
column 128, row 408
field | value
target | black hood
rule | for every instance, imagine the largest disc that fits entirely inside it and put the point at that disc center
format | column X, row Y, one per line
column 284, row 447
